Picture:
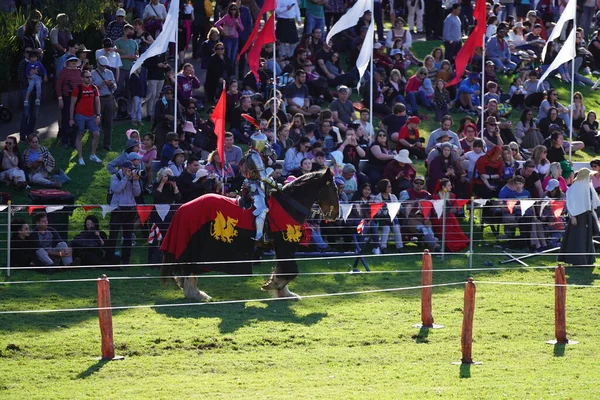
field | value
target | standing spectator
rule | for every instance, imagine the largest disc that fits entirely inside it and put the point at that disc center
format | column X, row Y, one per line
column 85, row 113
column 136, row 92
column 115, row 29
column 577, row 246
column 104, row 80
column 334, row 9
column 434, row 19
column 218, row 71
column 164, row 112
column 190, row 187
column 287, row 14
column 72, row 49
column 129, row 52
column 30, row 35
column 69, row 78
column 416, row 9
column 244, row 34
column 315, row 16
column 453, row 33
column 386, row 221
column 124, row 188
column 230, row 25
column 28, row 119
column 60, row 35
column 154, row 15
column 51, row 246
column 113, row 57
column 200, row 24
column 156, row 66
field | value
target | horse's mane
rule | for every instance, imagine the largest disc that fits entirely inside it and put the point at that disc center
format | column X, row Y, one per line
column 303, row 181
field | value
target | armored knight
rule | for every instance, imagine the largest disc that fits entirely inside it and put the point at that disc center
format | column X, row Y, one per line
column 258, row 183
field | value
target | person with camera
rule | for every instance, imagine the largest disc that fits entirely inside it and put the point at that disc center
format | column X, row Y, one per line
column 124, row 188
column 104, row 79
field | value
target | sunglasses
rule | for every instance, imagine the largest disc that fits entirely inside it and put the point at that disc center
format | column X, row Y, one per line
column 86, row 76
column 220, row 48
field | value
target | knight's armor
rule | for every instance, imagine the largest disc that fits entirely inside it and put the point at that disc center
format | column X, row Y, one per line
column 258, row 183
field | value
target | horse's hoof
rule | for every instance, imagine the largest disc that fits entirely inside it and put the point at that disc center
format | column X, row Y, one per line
column 270, row 285
column 285, row 293
column 199, row 295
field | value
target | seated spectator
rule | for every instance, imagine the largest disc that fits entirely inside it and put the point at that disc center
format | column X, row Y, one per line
column 379, row 156
column 328, row 136
column 550, row 102
column 444, row 130
column 280, row 115
column 284, row 140
column 131, row 146
column 527, row 132
column 395, row 89
column 517, row 93
column 456, row 240
column 22, row 245
column 400, row 172
column 467, row 96
column 409, row 138
column 89, row 245
column 305, row 168
column 52, row 249
column 365, row 126
column 441, row 99
column 11, row 164
column 351, row 180
column 469, row 137
column 542, row 165
column 386, row 221
column 295, row 155
column 533, row 183
column 492, row 93
column 171, row 144
column 297, row 97
column 497, row 51
column 535, row 91
column 415, row 222
column 588, row 133
column 559, row 148
column 491, row 133
column 318, row 163
column 510, row 166
column 595, row 179
column 233, row 154
column 163, row 116
column 351, row 151
column 393, row 122
column 446, row 166
column 488, row 171
column 504, row 124
column 379, row 105
column 472, row 156
column 241, row 128
column 39, row 163
column 413, row 94
column 224, row 174
column 176, row 164
column 342, row 109
column 555, row 173
column 191, row 183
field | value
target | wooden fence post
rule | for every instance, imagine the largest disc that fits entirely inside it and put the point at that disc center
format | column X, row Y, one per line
column 426, row 282
column 560, row 303
column 105, row 319
column 467, row 326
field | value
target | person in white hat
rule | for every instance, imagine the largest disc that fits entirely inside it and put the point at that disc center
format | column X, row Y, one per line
column 582, row 201
column 400, row 172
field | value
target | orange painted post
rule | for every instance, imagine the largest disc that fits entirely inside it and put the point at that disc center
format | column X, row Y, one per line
column 560, row 301
column 426, row 282
column 467, row 326
column 105, row 318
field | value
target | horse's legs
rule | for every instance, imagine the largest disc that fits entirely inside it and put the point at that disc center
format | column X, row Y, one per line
column 191, row 291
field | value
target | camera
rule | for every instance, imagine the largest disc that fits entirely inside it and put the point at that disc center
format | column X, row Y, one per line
column 171, row 178
column 139, row 172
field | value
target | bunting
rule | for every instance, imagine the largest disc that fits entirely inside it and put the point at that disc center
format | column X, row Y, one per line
column 526, row 205
column 393, row 209
column 162, row 210
column 438, row 206
column 361, row 227
column 345, row 210
column 154, row 234
column 375, row 207
column 511, row 205
column 106, row 209
column 557, row 207
column 426, row 207
column 144, row 212
column 51, row 209
column 88, row 208
column 33, row 208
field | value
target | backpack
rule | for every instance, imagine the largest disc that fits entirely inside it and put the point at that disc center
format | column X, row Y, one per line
column 109, row 193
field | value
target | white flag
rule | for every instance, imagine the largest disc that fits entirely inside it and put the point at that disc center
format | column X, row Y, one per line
column 393, row 209
column 106, row 210
column 162, row 210
column 566, row 54
column 167, row 35
column 526, row 205
column 51, row 209
column 438, row 206
column 567, row 15
column 349, row 20
column 346, row 209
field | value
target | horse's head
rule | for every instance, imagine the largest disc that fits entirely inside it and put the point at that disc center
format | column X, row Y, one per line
column 328, row 197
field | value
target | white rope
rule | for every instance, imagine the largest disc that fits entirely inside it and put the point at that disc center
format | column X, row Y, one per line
column 309, row 296
column 537, row 284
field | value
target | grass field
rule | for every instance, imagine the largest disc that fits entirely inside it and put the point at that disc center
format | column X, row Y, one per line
column 358, row 346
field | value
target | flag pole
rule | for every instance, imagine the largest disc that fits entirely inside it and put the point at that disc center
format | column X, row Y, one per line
column 482, row 91
column 175, row 88
column 274, row 85
column 371, row 82
column 572, row 87
column 223, row 160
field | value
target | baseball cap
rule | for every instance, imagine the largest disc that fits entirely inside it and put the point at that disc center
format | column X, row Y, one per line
column 201, row 173
column 131, row 143
column 107, row 42
column 120, row 12
column 133, row 156
column 552, row 184
column 127, row 164
column 103, row 61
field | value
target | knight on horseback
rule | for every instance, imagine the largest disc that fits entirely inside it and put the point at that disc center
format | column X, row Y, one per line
column 258, row 183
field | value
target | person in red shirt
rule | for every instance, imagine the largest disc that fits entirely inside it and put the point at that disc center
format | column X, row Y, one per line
column 85, row 113
column 409, row 139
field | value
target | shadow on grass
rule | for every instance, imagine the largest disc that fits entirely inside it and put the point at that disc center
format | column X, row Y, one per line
column 581, row 275
column 422, row 336
column 239, row 315
column 92, row 369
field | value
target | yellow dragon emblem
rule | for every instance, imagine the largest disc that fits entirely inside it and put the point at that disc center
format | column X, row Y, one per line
column 293, row 233
column 223, row 230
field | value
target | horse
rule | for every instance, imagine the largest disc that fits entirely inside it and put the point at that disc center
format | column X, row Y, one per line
column 214, row 228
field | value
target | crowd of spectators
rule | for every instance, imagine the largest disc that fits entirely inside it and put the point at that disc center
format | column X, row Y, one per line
column 308, row 113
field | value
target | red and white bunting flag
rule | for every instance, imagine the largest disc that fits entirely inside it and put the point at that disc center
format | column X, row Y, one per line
column 155, row 234
column 361, row 226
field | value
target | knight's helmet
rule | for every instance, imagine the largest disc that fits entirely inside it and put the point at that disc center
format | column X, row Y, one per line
column 259, row 141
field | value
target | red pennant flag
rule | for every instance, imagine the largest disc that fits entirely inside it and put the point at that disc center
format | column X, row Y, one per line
column 218, row 117
column 557, row 207
column 33, row 208
column 511, row 205
column 88, row 208
column 361, row 227
column 144, row 212
column 266, row 35
column 475, row 40
column 268, row 6
column 426, row 207
column 460, row 203
column 375, row 209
